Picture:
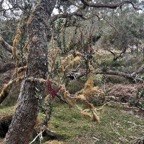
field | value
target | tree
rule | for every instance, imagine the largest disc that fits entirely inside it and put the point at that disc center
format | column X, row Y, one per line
column 27, row 110
column 126, row 29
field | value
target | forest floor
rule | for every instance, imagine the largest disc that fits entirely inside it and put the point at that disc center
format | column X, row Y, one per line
column 117, row 126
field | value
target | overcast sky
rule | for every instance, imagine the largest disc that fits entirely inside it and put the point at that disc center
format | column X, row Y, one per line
column 7, row 5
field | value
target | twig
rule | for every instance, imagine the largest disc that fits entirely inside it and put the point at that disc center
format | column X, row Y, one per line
column 38, row 135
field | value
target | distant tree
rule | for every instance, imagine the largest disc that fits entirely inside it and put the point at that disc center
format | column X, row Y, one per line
column 125, row 29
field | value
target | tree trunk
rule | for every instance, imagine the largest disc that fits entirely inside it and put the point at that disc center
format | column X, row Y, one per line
column 24, row 120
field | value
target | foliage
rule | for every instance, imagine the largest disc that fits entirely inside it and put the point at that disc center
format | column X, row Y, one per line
column 126, row 29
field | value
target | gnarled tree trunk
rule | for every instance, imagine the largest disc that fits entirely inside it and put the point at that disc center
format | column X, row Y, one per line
column 23, row 122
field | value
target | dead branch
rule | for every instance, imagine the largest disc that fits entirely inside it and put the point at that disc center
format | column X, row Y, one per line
column 110, row 6
column 117, row 56
column 66, row 15
column 130, row 77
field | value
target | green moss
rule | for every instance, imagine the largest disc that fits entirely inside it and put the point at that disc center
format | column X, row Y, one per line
column 75, row 85
column 6, row 110
column 116, row 126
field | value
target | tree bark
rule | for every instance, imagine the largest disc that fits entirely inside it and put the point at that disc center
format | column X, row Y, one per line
column 130, row 76
column 5, row 45
column 7, row 66
column 110, row 6
column 24, row 120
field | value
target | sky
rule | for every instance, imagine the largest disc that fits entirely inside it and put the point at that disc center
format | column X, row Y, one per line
column 7, row 5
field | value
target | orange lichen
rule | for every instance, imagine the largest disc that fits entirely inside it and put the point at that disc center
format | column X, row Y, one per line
column 34, row 39
column 17, row 38
column 7, row 87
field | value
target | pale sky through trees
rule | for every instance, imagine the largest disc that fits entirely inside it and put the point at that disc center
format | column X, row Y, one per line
column 7, row 5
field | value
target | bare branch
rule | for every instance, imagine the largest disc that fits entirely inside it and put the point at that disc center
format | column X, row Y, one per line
column 130, row 77
column 109, row 23
column 117, row 56
column 110, row 6
column 5, row 45
column 65, row 15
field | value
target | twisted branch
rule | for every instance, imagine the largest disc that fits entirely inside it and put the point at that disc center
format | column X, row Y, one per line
column 110, row 6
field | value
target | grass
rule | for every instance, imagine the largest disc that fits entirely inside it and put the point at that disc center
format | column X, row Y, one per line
column 6, row 110
column 116, row 126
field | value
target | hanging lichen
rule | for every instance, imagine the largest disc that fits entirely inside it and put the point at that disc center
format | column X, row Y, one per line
column 17, row 38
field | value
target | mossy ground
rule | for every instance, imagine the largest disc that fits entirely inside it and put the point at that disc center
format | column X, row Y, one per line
column 116, row 126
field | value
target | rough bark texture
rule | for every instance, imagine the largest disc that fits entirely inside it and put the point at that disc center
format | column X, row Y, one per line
column 25, row 116
column 5, row 67
column 5, row 45
column 110, row 6
column 131, row 76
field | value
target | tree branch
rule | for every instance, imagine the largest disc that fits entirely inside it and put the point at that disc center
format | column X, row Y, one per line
column 117, row 56
column 110, row 6
column 130, row 77
column 5, row 45
column 6, row 67
column 65, row 15
column 140, row 70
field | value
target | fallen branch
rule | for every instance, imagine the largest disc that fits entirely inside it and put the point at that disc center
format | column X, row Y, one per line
column 132, row 76
column 110, row 72
column 110, row 6
column 139, row 70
